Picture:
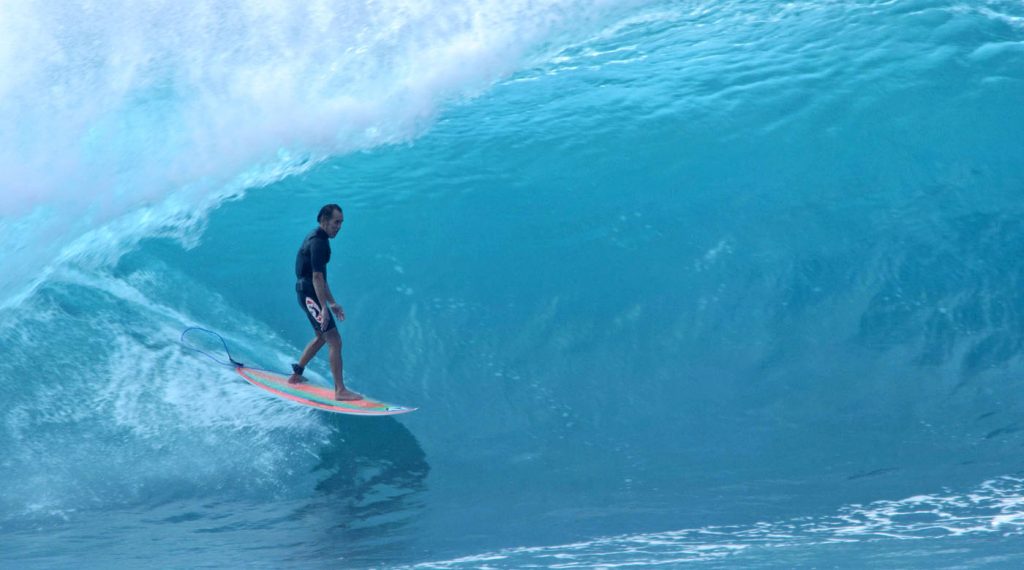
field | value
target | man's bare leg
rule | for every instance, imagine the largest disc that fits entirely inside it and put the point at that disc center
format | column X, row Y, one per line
column 333, row 339
column 310, row 351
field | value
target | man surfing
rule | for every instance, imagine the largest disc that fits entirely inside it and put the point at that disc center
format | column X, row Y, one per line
column 316, row 300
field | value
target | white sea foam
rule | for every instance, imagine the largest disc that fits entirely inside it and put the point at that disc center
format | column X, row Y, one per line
column 994, row 508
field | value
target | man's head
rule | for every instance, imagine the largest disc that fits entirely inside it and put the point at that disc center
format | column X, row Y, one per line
column 330, row 219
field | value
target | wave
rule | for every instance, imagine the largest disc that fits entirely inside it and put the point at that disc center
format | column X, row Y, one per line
column 696, row 254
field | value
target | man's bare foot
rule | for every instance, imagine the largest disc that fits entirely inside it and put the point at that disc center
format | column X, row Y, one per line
column 296, row 379
column 347, row 395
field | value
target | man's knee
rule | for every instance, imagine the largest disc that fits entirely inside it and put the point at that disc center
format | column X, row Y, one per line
column 332, row 338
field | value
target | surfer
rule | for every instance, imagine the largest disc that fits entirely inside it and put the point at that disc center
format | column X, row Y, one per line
column 316, row 300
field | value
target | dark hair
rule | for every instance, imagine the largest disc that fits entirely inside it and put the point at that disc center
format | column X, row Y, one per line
column 328, row 211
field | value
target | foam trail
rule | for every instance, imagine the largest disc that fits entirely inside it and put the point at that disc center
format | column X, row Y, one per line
column 124, row 120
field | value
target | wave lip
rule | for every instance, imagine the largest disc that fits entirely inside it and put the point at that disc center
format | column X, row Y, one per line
column 126, row 123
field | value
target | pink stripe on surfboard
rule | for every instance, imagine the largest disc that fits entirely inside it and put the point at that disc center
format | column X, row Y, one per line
column 364, row 407
column 327, row 407
column 318, row 393
column 313, row 391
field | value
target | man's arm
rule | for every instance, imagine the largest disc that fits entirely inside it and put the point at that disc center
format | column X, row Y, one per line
column 323, row 293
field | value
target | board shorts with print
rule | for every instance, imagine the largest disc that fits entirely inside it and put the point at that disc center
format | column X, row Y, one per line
column 312, row 309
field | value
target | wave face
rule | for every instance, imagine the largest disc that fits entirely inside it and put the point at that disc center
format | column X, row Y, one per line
column 730, row 283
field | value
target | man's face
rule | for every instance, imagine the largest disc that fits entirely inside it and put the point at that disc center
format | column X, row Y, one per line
column 332, row 225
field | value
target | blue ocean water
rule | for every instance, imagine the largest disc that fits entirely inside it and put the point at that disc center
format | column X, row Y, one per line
column 713, row 284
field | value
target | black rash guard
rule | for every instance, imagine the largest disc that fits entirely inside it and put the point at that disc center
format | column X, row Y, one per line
column 313, row 256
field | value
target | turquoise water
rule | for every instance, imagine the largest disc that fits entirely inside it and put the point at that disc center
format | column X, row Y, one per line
column 729, row 284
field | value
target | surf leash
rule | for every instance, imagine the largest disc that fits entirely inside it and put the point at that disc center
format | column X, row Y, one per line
column 230, row 362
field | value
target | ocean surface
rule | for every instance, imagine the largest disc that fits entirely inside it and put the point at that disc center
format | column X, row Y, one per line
column 730, row 284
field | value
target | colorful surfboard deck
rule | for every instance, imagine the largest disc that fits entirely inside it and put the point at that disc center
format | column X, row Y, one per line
column 317, row 396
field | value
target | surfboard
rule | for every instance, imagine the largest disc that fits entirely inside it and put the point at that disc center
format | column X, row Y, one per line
column 315, row 396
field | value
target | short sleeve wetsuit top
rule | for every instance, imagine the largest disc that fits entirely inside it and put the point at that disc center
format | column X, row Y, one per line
column 313, row 256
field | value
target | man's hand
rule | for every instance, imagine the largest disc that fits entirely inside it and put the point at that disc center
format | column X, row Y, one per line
column 338, row 311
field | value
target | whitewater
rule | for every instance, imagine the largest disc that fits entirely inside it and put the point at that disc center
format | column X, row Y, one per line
column 671, row 283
